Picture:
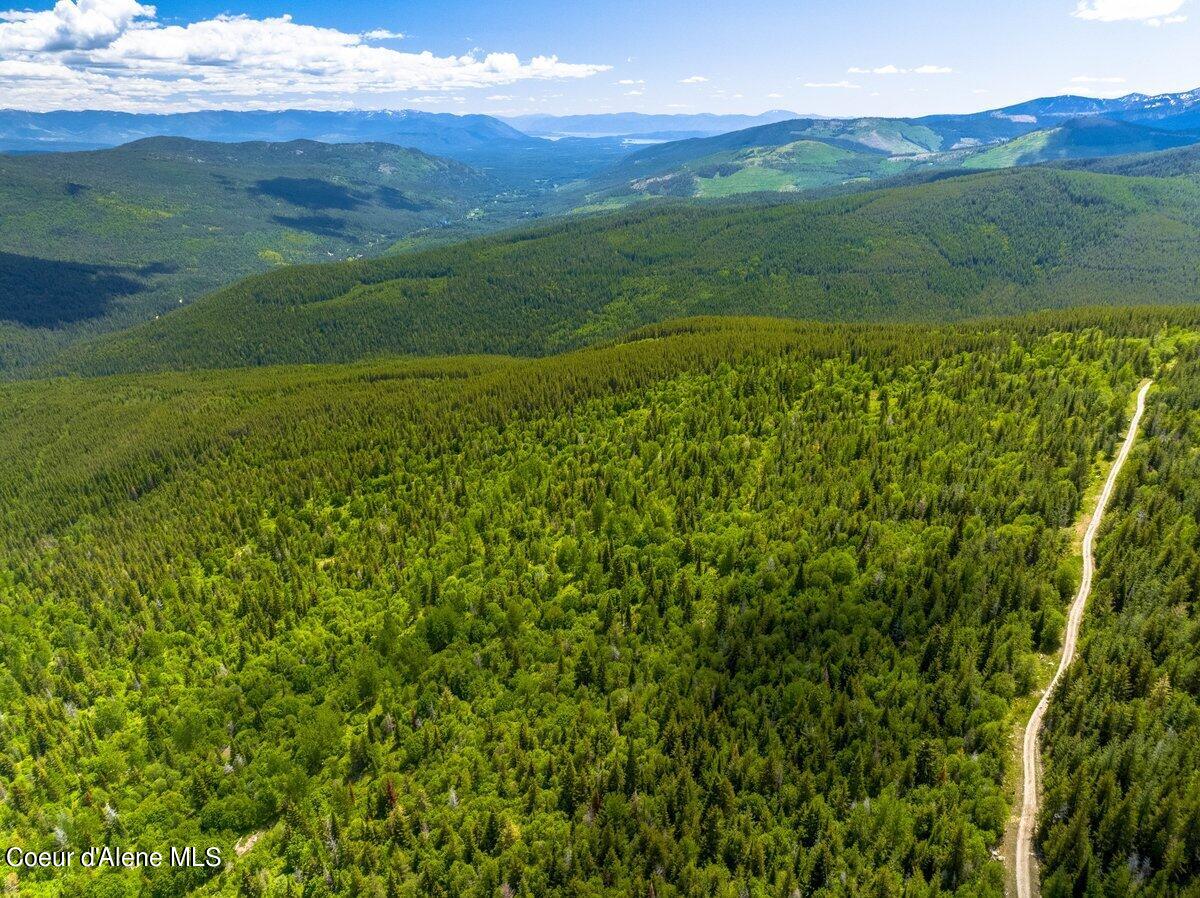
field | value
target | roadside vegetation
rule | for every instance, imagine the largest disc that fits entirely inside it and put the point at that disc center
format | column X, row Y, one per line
column 1121, row 813
column 727, row 608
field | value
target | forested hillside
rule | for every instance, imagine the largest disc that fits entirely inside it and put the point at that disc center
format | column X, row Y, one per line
column 1167, row 164
column 94, row 241
column 730, row 608
column 806, row 155
column 995, row 243
column 1122, row 808
column 1083, row 138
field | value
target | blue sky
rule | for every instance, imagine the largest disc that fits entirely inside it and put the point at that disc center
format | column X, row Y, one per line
column 903, row 57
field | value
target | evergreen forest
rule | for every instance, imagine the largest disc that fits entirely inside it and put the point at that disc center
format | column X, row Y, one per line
column 733, row 607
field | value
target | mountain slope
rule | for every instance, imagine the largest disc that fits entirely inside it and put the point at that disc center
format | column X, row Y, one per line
column 1171, row 111
column 735, row 606
column 1082, row 138
column 781, row 157
column 807, row 155
column 1166, row 164
column 999, row 242
column 784, row 156
column 97, row 240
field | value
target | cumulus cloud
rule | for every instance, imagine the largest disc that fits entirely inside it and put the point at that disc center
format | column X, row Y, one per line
column 116, row 54
column 694, row 79
column 1152, row 12
column 382, row 34
column 1091, row 79
column 831, row 85
column 933, row 70
column 80, row 25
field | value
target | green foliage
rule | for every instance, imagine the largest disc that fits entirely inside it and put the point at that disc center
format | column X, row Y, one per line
column 730, row 608
column 1089, row 137
column 1122, row 746
column 1168, row 164
column 98, row 240
column 995, row 243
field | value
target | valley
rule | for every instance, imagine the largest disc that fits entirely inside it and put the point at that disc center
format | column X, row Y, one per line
column 1006, row 242
column 97, row 241
column 107, row 240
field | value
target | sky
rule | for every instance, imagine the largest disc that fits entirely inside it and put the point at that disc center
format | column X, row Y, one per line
column 876, row 57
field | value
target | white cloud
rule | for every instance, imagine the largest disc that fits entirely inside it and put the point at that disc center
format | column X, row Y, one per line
column 80, row 25
column 1093, row 86
column 774, row 96
column 831, row 85
column 880, row 70
column 896, row 70
column 1093, row 90
column 694, row 79
column 634, row 93
column 116, row 54
column 382, row 34
column 629, row 81
column 1152, row 12
column 500, row 98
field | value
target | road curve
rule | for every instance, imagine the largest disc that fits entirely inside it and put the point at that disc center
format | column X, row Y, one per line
column 1029, row 749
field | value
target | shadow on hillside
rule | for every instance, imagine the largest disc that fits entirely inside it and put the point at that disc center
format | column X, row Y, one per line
column 394, row 199
column 309, row 193
column 47, row 293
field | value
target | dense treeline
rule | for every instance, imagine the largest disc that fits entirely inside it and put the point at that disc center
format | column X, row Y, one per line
column 1168, row 164
column 1122, row 746
column 730, row 608
column 997, row 243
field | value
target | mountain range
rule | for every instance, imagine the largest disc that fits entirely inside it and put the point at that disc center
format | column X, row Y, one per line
column 96, row 241
column 991, row 243
column 438, row 133
column 801, row 155
column 642, row 125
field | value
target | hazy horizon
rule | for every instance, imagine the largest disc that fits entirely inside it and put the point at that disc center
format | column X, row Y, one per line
column 904, row 59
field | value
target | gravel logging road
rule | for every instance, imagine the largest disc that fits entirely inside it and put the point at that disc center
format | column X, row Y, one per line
column 1026, row 879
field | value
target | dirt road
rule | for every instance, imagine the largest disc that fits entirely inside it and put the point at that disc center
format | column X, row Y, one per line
column 1027, row 886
